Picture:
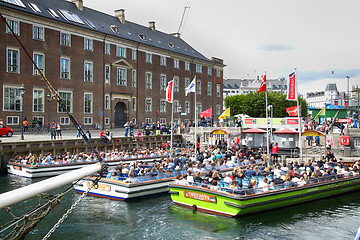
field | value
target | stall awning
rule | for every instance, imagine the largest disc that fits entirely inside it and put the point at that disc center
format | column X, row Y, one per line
column 220, row 131
column 254, row 130
column 286, row 131
column 312, row 133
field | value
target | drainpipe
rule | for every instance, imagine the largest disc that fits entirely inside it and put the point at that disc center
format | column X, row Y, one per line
column 137, row 85
column 103, row 92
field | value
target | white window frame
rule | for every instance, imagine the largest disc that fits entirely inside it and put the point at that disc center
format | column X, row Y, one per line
column 176, row 84
column 17, row 99
column 61, row 39
column 133, row 78
column 218, row 90
column 209, row 71
column 163, row 61
column 187, row 107
column 107, row 48
column 163, row 120
column 148, row 81
column 209, row 89
column 176, row 106
column 148, row 104
column 12, row 122
column 176, row 63
column 133, row 104
column 163, row 82
column 17, row 60
column 70, row 109
column 217, row 73
column 133, row 54
column 198, row 68
column 88, row 120
column 64, row 120
column 121, row 51
column 107, row 101
column 162, row 105
column 42, row 68
column 91, row 103
column 121, row 78
column 107, row 74
column 42, row 97
column 148, row 57
column 187, row 82
column 198, row 87
column 107, row 121
column 87, row 77
column 88, row 44
column 199, row 107
column 218, row 109
column 148, row 120
column 38, row 33
column 11, row 22
column 61, row 70
column 187, row 66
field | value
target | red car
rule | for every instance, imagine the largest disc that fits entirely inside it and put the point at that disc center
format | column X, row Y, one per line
column 4, row 130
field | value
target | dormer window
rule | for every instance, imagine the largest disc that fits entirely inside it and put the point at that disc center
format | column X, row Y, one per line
column 114, row 28
column 34, row 7
column 53, row 13
column 142, row 37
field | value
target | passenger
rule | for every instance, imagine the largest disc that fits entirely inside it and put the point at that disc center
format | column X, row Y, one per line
column 197, row 177
column 251, row 187
column 263, row 185
column 215, row 176
column 214, row 185
column 302, row 181
column 233, row 185
column 227, row 179
column 132, row 178
column 189, row 177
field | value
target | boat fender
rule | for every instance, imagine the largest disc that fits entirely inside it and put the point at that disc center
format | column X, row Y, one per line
column 195, row 207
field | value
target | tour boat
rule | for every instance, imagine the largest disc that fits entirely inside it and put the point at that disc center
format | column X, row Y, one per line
column 49, row 170
column 237, row 202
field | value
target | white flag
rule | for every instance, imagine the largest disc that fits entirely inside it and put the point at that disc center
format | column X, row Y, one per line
column 191, row 87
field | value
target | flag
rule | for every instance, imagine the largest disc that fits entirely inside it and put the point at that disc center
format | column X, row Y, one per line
column 293, row 111
column 191, row 87
column 263, row 85
column 320, row 114
column 206, row 113
column 225, row 114
column 291, row 95
column 170, row 91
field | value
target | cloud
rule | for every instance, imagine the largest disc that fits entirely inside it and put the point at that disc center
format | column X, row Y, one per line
column 308, row 76
column 277, row 48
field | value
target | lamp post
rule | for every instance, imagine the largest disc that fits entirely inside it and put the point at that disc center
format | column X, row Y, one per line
column 22, row 92
column 48, row 97
column 347, row 107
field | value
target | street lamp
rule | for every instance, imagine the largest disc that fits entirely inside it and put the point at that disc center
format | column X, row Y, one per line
column 22, row 92
column 48, row 97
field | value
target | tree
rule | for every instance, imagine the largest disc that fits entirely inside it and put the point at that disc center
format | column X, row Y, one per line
column 253, row 104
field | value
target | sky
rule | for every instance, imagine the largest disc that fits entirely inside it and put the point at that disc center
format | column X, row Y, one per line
column 257, row 36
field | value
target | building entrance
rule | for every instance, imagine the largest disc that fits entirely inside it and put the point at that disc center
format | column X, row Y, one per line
column 120, row 114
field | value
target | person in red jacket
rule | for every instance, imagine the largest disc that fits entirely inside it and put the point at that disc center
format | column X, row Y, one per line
column 275, row 151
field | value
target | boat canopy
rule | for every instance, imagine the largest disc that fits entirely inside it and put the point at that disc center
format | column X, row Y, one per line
column 312, row 133
column 219, row 131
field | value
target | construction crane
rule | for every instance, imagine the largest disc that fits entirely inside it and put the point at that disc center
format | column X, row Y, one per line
column 182, row 23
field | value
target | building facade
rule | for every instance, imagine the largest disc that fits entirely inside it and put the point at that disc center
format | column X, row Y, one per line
column 106, row 69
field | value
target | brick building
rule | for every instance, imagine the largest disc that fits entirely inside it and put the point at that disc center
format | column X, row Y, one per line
column 107, row 70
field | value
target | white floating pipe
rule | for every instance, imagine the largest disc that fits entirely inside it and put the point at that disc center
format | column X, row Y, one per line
column 20, row 194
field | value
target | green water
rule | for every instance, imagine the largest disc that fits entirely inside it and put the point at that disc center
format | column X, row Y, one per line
column 158, row 218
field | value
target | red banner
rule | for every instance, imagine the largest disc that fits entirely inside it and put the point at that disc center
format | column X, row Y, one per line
column 293, row 111
column 292, row 121
column 263, row 85
column 291, row 95
column 170, row 92
column 344, row 120
column 206, row 113
column 249, row 121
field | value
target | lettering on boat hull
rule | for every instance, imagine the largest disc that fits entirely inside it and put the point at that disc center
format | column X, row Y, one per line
column 200, row 196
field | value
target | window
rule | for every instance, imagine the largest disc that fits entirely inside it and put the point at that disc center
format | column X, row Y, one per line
column 67, row 98
column 187, row 82
column 176, row 63
column 217, row 72
column 218, row 90
column 162, row 105
column 64, row 121
column 12, row 99
column 148, row 79
column 209, row 70
column 88, row 44
column 88, row 72
column 187, row 66
column 15, row 2
column 176, row 84
column 34, row 7
column 133, row 82
column 39, row 60
column 107, row 74
column 198, row 68
column 90, row 23
column 53, row 13
column 13, row 60
column 133, row 103
column 114, row 28
column 356, row 142
column 12, row 120
column 107, row 48
column 148, row 58
column 121, row 77
column 148, row 120
column 14, row 25
column 187, row 107
column 209, row 89
column 134, row 120
column 88, row 120
column 218, row 110
column 198, row 87
column 88, row 102
column 107, row 121
column 162, row 61
column 38, row 100
column 38, row 33
column 72, row 17
column 133, row 54
column 163, row 82
column 120, row 52
column 41, row 118
column 148, row 105
column 176, row 106
column 199, row 107
column 107, row 101
column 65, row 39
column 163, row 120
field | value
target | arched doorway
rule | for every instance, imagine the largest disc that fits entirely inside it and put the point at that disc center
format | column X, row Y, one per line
column 120, row 114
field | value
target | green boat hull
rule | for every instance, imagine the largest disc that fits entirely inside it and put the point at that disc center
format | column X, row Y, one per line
column 223, row 203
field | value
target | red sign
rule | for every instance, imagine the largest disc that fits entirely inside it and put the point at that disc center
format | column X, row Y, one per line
column 345, row 140
column 249, row 121
column 292, row 121
column 293, row 111
column 200, row 196
column 17, row 168
column 344, row 120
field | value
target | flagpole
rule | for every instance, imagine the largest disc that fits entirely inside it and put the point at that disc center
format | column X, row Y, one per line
column 195, row 137
column 299, row 117
column 267, row 125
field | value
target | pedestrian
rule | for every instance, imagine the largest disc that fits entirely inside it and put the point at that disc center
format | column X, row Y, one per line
column 198, row 144
column 88, row 134
column 140, row 136
column 342, row 129
column 356, row 119
column 25, row 124
column 78, row 130
column 127, row 126
column 131, row 126
column 317, row 140
column 53, row 131
column 58, row 131
column 275, row 151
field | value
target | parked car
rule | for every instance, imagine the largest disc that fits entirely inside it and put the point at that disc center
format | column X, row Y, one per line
column 4, row 130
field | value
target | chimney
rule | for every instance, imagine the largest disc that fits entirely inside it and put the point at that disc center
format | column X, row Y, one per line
column 120, row 14
column 152, row 25
column 79, row 4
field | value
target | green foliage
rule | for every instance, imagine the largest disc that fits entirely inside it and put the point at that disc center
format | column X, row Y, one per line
column 253, row 104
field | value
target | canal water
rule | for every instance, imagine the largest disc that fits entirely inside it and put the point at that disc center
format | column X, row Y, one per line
column 158, row 218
